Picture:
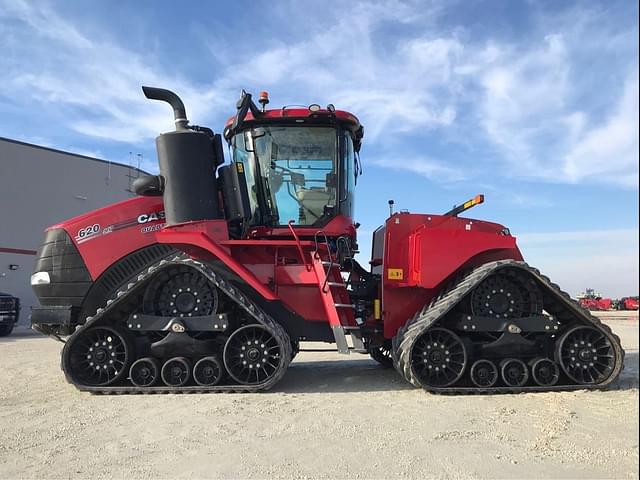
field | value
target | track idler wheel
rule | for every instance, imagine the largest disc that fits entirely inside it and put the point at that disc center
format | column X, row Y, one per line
column 99, row 356
column 586, row 355
column 438, row 358
column 514, row 372
column 484, row 373
column 208, row 371
column 252, row 355
column 545, row 372
column 176, row 372
column 145, row 372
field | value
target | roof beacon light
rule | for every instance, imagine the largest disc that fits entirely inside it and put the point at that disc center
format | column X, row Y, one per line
column 331, row 108
column 263, row 99
column 314, row 107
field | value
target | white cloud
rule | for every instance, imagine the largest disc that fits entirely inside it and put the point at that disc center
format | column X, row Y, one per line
column 98, row 81
column 425, row 167
column 609, row 151
column 606, row 260
column 523, row 102
column 527, row 112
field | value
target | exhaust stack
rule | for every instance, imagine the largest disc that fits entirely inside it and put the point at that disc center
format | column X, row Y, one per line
column 179, row 112
column 188, row 158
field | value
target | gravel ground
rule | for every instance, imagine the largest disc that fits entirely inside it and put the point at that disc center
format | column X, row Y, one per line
column 331, row 417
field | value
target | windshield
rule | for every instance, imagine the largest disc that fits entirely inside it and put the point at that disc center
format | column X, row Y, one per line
column 296, row 173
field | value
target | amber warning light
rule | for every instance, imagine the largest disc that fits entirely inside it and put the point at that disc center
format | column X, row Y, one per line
column 477, row 200
column 263, row 99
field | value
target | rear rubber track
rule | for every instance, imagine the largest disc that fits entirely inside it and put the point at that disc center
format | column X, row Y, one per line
column 126, row 300
column 438, row 308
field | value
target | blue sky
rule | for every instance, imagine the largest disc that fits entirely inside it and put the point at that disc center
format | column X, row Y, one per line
column 534, row 104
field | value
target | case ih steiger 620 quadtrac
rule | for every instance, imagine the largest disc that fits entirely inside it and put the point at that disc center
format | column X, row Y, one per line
column 208, row 280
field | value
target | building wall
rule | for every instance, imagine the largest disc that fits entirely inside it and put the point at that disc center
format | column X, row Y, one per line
column 40, row 187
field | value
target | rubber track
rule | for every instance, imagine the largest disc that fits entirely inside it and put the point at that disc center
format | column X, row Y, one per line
column 128, row 292
column 431, row 313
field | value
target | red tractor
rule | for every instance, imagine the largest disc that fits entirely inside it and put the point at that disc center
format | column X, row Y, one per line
column 627, row 303
column 210, row 278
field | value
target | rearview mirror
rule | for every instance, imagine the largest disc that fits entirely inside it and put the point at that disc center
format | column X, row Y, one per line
column 248, row 141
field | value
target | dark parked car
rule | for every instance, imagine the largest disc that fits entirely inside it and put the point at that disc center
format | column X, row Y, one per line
column 9, row 313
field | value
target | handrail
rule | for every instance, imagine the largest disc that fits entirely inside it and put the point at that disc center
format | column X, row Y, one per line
column 331, row 265
column 299, row 245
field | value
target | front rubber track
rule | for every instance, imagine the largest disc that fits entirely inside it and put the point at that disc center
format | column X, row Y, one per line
column 127, row 299
column 438, row 308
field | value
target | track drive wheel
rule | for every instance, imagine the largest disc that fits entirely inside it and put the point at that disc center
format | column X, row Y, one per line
column 382, row 354
column 586, row 355
column 506, row 295
column 99, row 356
column 180, row 292
column 438, row 358
column 252, row 355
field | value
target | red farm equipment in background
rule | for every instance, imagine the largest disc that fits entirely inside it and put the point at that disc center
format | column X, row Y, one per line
column 627, row 303
column 211, row 277
column 594, row 301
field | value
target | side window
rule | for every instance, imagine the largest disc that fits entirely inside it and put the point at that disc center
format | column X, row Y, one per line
column 349, row 175
column 240, row 154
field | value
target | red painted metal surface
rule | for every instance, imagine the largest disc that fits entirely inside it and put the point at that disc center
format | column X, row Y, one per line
column 630, row 303
column 423, row 251
column 420, row 253
column 284, row 113
column 596, row 303
column 206, row 236
column 106, row 235
column 338, row 225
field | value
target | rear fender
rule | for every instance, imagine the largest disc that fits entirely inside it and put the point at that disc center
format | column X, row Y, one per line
column 422, row 253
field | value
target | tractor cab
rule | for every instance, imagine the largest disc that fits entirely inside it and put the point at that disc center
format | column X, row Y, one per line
column 299, row 165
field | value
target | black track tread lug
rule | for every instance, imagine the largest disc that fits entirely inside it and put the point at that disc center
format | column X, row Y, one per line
column 122, row 298
column 432, row 312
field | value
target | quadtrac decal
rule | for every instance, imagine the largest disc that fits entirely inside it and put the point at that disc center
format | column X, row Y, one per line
column 149, row 218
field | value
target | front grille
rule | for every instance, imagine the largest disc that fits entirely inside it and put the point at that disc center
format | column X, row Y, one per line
column 70, row 279
column 7, row 304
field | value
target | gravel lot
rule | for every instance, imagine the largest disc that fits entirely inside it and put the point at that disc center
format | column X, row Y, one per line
column 331, row 416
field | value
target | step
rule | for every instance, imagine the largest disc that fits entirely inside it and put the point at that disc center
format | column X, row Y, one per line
column 344, row 305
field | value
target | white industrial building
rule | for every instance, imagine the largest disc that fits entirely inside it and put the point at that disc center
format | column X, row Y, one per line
column 42, row 186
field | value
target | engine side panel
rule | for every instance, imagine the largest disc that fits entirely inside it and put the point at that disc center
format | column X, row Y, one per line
column 105, row 235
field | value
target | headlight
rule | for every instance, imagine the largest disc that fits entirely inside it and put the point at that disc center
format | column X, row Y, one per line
column 40, row 278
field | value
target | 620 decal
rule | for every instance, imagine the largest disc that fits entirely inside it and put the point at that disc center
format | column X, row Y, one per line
column 87, row 232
